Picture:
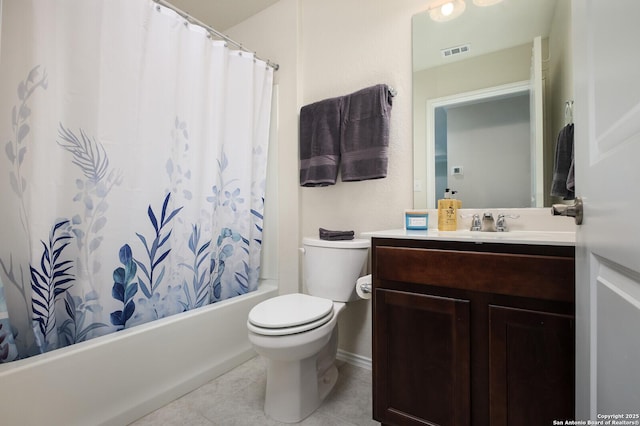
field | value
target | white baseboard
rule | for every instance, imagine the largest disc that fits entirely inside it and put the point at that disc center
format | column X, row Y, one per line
column 354, row 359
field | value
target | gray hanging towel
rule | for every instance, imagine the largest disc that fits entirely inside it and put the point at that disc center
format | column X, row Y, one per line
column 320, row 142
column 562, row 184
column 364, row 138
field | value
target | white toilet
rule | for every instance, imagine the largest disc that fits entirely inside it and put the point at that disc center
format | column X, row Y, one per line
column 298, row 334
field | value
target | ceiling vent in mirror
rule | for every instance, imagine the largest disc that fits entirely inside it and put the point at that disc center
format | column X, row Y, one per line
column 456, row 50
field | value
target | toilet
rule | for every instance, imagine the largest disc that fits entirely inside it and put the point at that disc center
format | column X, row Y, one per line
column 298, row 334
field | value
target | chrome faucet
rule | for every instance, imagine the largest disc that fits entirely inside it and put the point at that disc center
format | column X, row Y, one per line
column 488, row 224
column 501, row 223
column 476, row 225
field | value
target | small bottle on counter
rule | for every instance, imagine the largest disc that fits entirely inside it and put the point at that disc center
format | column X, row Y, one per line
column 448, row 212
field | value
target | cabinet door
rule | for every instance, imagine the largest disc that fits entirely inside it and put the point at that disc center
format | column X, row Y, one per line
column 421, row 359
column 531, row 362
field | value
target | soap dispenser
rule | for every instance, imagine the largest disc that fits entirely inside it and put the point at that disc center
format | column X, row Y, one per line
column 447, row 213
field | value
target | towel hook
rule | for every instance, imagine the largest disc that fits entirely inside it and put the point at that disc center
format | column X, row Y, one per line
column 568, row 112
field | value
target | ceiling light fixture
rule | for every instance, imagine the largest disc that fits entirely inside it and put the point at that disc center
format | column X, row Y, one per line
column 483, row 3
column 446, row 10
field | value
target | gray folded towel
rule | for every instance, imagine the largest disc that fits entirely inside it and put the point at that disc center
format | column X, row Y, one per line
column 325, row 234
column 364, row 137
column 320, row 142
column 562, row 184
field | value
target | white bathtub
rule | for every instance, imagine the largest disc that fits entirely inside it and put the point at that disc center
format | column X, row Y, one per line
column 116, row 379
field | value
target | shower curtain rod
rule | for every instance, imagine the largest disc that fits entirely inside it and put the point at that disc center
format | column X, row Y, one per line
column 213, row 31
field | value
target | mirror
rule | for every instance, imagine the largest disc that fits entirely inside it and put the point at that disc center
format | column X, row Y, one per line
column 480, row 125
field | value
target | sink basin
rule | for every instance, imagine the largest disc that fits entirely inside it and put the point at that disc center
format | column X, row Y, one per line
column 515, row 236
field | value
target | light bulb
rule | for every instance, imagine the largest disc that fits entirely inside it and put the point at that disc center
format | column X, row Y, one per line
column 446, row 9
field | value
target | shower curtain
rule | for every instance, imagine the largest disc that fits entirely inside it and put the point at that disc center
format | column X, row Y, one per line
column 132, row 170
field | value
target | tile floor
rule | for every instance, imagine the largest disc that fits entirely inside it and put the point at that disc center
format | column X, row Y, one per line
column 237, row 397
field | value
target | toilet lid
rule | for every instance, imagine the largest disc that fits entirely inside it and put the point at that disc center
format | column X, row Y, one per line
column 281, row 314
column 285, row 331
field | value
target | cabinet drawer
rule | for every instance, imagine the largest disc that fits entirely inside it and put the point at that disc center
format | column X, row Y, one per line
column 525, row 275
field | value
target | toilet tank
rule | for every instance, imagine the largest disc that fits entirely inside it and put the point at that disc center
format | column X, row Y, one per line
column 331, row 268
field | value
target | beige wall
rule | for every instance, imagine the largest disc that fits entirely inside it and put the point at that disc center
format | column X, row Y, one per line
column 560, row 88
column 348, row 45
column 328, row 48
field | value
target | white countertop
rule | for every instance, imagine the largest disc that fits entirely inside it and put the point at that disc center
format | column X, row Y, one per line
column 532, row 226
column 556, row 238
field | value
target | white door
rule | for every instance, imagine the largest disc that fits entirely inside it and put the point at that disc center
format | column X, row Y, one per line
column 606, row 34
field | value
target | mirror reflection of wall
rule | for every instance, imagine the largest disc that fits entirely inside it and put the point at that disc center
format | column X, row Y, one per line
column 490, row 63
column 475, row 140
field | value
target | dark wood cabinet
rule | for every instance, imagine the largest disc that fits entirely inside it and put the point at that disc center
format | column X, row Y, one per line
column 531, row 360
column 472, row 334
column 427, row 346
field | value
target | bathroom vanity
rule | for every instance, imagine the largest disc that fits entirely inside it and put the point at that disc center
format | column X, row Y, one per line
column 472, row 331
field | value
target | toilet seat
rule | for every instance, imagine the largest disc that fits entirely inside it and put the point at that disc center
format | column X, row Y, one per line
column 289, row 314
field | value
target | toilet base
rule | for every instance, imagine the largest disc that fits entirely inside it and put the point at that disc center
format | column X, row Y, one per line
column 301, row 369
column 327, row 382
column 294, row 390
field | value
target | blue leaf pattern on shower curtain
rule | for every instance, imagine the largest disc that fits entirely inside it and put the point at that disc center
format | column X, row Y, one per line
column 124, row 289
column 179, row 174
column 92, row 159
column 89, row 155
column 258, row 226
column 77, row 328
column 199, row 271
column 156, row 251
column 8, row 350
column 242, row 278
column 101, row 268
column 49, row 282
column 195, row 273
column 6, row 343
column 220, row 256
column 232, row 244
column 93, row 162
column 16, row 150
column 153, row 305
column 53, row 279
